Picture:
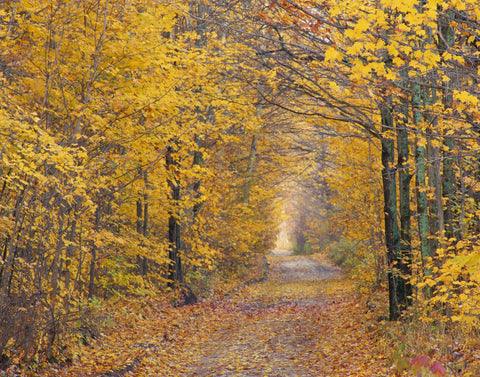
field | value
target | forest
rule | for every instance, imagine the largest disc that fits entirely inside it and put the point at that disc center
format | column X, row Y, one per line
column 154, row 152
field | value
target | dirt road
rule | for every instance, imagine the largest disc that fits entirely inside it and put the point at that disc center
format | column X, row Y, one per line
column 299, row 322
column 303, row 320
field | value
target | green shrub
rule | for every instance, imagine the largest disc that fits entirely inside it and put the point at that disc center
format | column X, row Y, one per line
column 343, row 253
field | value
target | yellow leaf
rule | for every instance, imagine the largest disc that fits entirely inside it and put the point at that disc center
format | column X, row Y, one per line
column 362, row 26
column 332, row 54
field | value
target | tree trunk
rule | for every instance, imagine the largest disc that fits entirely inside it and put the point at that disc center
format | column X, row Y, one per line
column 139, row 216
column 58, row 251
column 69, row 251
column 397, row 283
column 435, row 200
column 404, row 178
column 142, row 224
column 461, row 220
column 420, row 176
column 251, row 165
column 448, row 189
column 435, row 207
column 144, row 266
column 175, row 275
column 437, row 169
column 445, row 41
column 197, row 160
column 422, row 205
column 93, row 261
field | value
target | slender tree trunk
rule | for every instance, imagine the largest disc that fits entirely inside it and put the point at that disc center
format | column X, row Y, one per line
column 462, row 198
column 252, row 156
column 251, row 165
column 437, row 172
column 93, row 261
column 448, row 189
column 69, row 252
column 445, row 41
column 139, row 217
column 58, row 250
column 404, row 178
column 397, row 283
column 431, row 200
column 142, row 224
column 175, row 267
column 422, row 205
column 11, row 249
column 420, row 176
column 197, row 160
column 435, row 207
column 144, row 266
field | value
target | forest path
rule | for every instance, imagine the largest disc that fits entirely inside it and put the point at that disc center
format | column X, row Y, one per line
column 302, row 321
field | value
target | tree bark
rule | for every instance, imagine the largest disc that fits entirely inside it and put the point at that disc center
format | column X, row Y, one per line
column 175, row 275
column 139, row 216
column 420, row 176
column 461, row 220
column 448, row 189
column 197, row 160
column 397, row 283
column 142, row 224
column 445, row 41
column 144, row 265
column 251, row 166
column 93, row 261
column 404, row 178
column 56, row 266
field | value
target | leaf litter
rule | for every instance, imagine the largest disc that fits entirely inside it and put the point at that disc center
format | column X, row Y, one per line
column 304, row 320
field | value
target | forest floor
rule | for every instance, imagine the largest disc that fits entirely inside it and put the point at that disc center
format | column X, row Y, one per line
column 303, row 320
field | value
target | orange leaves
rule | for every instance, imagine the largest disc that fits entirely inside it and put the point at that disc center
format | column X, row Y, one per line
column 302, row 321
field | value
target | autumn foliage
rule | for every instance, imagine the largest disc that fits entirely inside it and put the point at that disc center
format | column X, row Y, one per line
column 393, row 88
column 144, row 145
column 119, row 123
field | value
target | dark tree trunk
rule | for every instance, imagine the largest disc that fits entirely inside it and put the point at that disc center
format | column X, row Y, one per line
column 398, row 287
column 144, row 265
column 250, row 168
column 420, row 175
column 139, row 216
column 197, row 160
column 142, row 225
column 447, row 40
column 404, row 179
column 91, row 282
column 448, row 189
column 175, row 275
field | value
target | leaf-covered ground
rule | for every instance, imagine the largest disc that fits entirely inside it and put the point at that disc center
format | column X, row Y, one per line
column 304, row 320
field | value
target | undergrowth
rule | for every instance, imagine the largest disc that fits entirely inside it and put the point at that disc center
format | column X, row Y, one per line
column 419, row 348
